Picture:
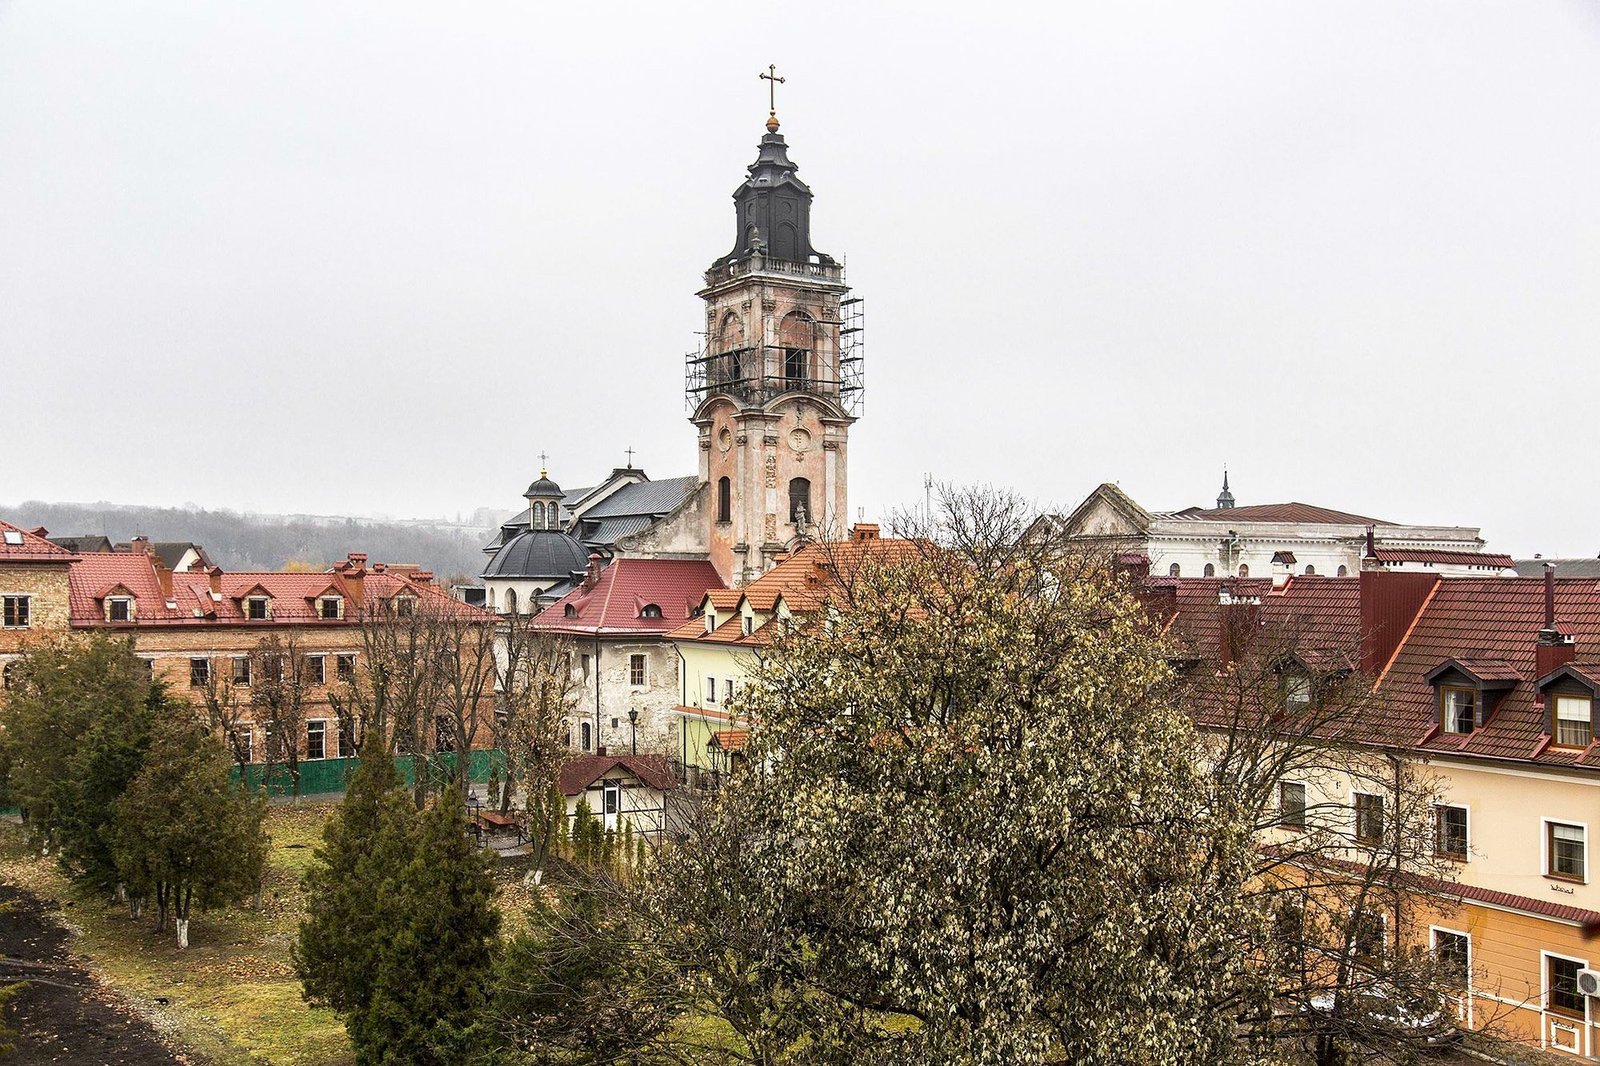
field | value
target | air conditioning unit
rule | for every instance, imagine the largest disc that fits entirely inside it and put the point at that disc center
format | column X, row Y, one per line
column 1589, row 982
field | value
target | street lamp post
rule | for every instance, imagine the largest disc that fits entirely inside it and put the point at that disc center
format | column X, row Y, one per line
column 633, row 722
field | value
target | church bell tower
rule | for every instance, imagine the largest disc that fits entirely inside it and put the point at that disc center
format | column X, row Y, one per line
column 777, row 381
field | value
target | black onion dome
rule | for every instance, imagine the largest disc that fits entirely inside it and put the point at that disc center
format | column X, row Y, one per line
column 538, row 553
column 543, row 487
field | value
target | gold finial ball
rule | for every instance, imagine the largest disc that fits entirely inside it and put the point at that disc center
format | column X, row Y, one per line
column 772, row 122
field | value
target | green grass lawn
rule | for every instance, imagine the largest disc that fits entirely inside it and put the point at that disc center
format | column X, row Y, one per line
column 233, row 997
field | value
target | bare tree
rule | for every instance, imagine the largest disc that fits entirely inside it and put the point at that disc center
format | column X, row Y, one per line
column 534, row 694
column 280, row 689
column 421, row 687
column 227, row 711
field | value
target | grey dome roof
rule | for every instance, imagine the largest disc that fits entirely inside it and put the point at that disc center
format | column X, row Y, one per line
column 538, row 553
column 544, row 487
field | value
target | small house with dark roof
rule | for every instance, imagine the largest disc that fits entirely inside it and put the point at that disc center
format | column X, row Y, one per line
column 625, row 792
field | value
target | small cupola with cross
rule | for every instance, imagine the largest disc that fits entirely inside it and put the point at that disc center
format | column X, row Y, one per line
column 544, row 500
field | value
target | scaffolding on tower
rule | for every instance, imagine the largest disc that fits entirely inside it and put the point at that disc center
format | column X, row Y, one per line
column 758, row 373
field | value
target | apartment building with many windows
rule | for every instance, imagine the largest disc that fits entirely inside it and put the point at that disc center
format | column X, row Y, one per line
column 1491, row 687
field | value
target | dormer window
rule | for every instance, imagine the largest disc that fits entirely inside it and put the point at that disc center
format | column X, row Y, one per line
column 405, row 606
column 1467, row 691
column 119, row 608
column 1458, row 709
column 1574, row 721
column 569, row 611
column 650, row 610
column 329, row 608
column 1296, row 693
column 1570, row 693
column 747, row 625
column 255, row 608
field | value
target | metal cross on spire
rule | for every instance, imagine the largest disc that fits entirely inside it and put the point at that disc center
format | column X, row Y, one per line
column 630, row 458
column 772, row 79
column 544, row 460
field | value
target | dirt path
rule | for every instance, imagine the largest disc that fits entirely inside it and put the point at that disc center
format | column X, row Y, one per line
column 64, row 1016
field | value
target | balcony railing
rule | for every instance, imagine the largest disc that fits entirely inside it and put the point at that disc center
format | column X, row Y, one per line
column 760, row 264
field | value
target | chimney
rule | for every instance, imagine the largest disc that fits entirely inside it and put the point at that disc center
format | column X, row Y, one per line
column 592, row 573
column 864, row 531
column 1390, row 602
column 1554, row 649
column 163, row 577
column 215, row 574
column 141, row 546
column 354, row 574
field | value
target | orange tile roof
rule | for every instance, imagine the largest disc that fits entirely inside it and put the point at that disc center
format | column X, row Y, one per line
column 804, row 581
column 621, row 591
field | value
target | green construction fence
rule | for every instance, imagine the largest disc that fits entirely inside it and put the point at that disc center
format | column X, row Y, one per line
column 327, row 776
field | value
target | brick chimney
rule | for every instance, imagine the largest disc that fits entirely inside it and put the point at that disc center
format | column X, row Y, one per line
column 1553, row 649
column 163, row 576
column 864, row 531
column 353, row 574
column 215, row 575
column 591, row 573
column 141, row 546
column 1389, row 604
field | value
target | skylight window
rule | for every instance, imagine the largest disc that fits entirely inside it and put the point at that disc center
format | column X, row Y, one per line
column 13, row 537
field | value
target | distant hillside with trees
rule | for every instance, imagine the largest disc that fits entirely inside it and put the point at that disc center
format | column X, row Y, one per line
column 267, row 542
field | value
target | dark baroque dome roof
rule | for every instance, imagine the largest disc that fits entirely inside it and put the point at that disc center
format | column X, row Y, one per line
column 543, row 487
column 538, row 553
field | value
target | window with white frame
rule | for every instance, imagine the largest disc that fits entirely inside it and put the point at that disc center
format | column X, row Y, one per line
column 241, row 669
column 586, row 735
column 1574, row 721
column 711, row 690
column 345, row 667
column 1561, row 993
column 727, row 690
column 255, row 608
column 1296, row 693
column 16, row 611
column 1292, row 804
column 1565, row 851
column 328, row 608
column 119, row 608
column 199, row 672
column 244, row 742
column 1450, row 832
column 316, row 739
column 1453, row 952
column 317, row 669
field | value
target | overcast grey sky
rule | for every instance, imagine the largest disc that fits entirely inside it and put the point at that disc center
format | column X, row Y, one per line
column 373, row 258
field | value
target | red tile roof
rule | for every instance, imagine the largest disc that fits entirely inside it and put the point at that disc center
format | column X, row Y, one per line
column 293, row 595
column 31, row 547
column 624, row 588
column 581, row 771
column 730, row 739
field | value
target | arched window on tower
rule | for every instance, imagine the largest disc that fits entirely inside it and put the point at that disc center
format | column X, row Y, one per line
column 728, row 367
column 537, row 516
column 724, row 500
column 800, row 501
column 511, row 601
column 797, row 338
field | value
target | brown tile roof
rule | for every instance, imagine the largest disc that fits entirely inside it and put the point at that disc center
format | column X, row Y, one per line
column 581, row 771
column 1441, row 557
column 730, row 739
